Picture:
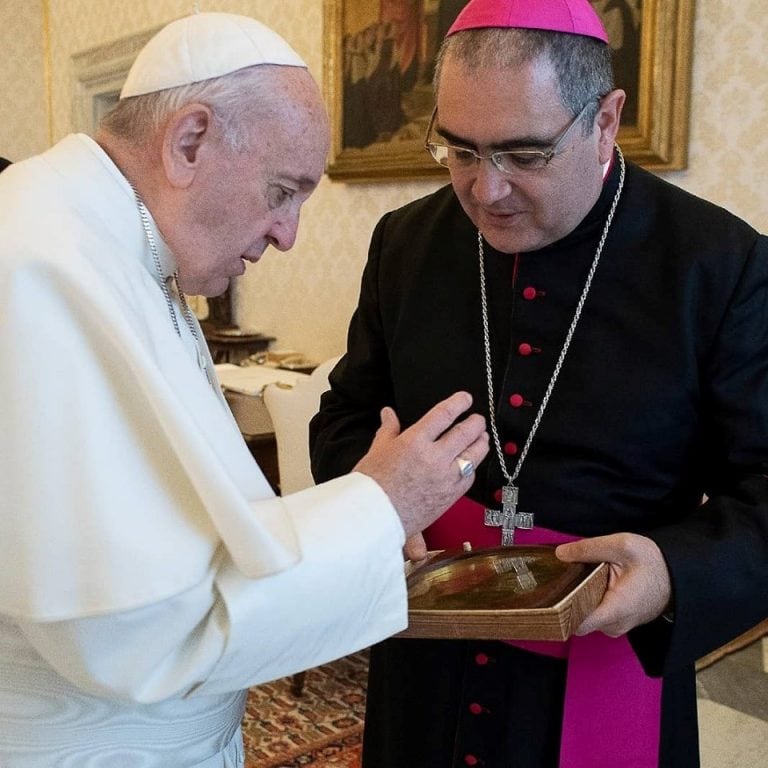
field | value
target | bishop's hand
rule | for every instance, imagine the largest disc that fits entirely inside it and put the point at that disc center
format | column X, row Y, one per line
column 639, row 587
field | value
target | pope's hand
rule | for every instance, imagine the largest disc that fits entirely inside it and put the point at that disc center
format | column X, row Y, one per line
column 639, row 587
column 415, row 548
column 417, row 467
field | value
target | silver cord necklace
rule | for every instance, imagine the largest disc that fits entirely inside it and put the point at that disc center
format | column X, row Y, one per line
column 508, row 518
column 185, row 310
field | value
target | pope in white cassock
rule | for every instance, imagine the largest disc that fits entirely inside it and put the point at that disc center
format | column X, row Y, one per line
column 148, row 575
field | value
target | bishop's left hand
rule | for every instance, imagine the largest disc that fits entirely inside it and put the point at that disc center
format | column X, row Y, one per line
column 639, row 587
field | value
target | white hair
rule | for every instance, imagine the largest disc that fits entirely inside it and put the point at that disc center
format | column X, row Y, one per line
column 236, row 100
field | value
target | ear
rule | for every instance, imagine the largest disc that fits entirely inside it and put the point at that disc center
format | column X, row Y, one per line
column 608, row 121
column 185, row 136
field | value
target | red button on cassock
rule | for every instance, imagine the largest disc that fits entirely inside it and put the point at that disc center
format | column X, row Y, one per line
column 510, row 448
column 524, row 349
column 530, row 293
column 481, row 659
column 470, row 760
column 516, row 400
column 475, row 708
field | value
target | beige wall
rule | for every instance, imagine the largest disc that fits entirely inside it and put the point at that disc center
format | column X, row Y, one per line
column 24, row 123
column 306, row 297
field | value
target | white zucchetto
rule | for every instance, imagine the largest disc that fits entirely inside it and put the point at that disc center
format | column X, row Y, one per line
column 203, row 46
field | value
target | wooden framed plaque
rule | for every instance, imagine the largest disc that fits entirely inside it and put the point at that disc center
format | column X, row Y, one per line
column 501, row 593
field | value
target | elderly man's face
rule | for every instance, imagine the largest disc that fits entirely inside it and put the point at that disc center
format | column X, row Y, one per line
column 493, row 109
column 243, row 202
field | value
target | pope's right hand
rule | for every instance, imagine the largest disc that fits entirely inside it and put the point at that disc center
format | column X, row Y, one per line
column 417, row 468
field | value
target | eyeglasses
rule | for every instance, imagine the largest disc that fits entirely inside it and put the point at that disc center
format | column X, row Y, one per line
column 507, row 161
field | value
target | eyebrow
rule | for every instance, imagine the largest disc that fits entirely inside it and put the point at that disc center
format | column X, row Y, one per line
column 304, row 183
column 307, row 182
column 524, row 142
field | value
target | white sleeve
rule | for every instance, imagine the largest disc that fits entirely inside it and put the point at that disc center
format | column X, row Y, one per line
column 229, row 632
column 142, row 551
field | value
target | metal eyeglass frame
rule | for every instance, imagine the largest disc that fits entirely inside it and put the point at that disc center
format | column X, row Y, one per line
column 525, row 155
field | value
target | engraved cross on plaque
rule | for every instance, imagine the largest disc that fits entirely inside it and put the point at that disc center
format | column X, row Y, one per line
column 508, row 518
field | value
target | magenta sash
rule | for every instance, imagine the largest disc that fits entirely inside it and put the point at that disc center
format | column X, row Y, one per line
column 612, row 713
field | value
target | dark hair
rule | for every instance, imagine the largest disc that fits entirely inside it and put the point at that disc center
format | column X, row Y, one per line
column 582, row 64
column 4, row 164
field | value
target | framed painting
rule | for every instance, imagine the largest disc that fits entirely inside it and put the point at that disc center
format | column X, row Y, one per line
column 379, row 58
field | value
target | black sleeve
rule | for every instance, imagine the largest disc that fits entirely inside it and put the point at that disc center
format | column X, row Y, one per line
column 342, row 431
column 718, row 556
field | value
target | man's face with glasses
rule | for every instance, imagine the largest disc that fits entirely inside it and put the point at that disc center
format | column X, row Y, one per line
column 520, row 163
column 507, row 161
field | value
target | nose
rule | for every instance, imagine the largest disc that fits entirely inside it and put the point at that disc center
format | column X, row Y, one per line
column 490, row 184
column 282, row 233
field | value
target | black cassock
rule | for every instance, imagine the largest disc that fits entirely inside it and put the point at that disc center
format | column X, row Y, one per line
column 663, row 397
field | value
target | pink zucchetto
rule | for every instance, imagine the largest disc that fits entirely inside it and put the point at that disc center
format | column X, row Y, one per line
column 576, row 17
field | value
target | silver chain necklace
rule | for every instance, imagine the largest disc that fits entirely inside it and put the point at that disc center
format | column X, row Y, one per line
column 185, row 310
column 508, row 518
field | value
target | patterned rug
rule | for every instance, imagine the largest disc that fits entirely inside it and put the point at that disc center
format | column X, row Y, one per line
column 322, row 727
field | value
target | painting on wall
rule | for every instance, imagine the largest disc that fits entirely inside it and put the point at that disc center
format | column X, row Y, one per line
column 379, row 58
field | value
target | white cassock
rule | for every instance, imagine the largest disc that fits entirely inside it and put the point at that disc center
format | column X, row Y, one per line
column 148, row 574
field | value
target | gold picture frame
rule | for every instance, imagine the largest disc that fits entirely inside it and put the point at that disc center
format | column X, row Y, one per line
column 501, row 593
column 378, row 132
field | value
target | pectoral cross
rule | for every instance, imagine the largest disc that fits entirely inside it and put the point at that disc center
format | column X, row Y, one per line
column 508, row 518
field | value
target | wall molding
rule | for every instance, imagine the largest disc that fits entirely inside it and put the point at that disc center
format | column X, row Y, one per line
column 98, row 74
